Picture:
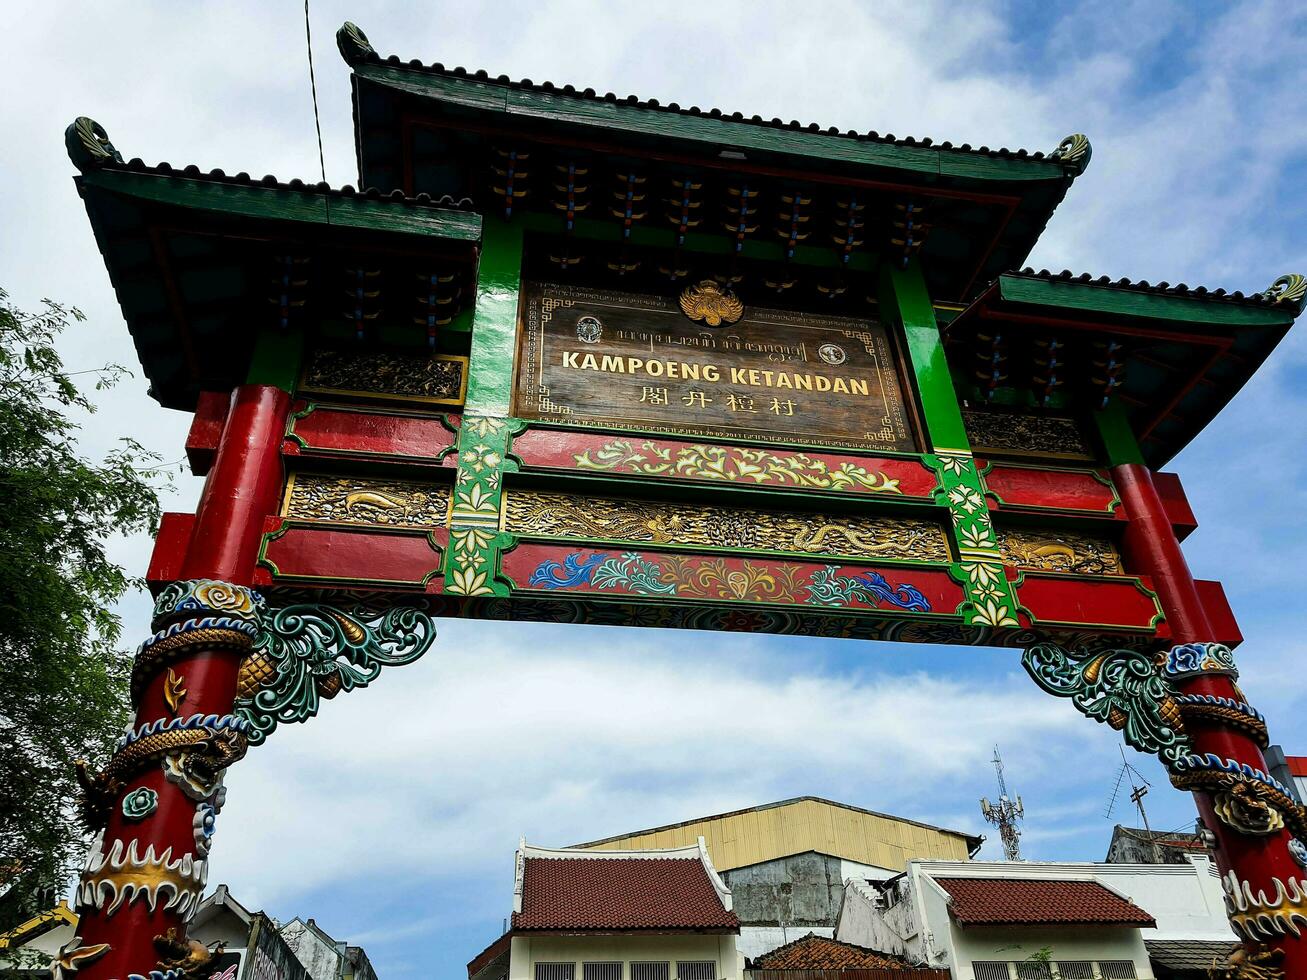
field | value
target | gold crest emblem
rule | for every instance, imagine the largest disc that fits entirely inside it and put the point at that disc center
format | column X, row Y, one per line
column 708, row 303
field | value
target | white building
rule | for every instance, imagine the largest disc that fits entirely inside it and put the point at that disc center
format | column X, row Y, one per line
column 615, row 915
column 1011, row 921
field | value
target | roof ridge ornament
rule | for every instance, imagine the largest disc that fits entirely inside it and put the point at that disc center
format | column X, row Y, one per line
column 88, row 144
column 1291, row 288
column 354, row 45
column 1074, row 151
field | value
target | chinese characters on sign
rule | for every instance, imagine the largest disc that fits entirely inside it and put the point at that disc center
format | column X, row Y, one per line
column 592, row 357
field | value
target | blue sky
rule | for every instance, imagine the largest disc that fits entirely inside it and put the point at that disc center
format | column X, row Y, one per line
column 393, row 818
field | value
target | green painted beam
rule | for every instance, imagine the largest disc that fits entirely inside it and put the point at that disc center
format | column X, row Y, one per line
column 1117, row 435
column 905, row 303
column 918, row 163
column 494, row 321
column 284, row 204
column 1117, row 301
column 276, row 359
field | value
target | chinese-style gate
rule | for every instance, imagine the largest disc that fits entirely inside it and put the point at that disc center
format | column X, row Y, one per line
column 600, row 360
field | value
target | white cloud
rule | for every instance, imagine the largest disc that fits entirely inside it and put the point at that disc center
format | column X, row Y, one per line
column 504, row 730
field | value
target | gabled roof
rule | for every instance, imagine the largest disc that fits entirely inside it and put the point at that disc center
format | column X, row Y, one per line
column 565, row 890
column 983, row 209
column 193, row 256
column 220, row 900
column 1027, row 901
column 740, row 838
column 813, row 952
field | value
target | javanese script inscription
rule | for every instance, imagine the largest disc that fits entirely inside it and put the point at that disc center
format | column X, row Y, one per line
column 591, row 357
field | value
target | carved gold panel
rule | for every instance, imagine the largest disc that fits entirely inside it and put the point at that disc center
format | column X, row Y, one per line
column 559, row 515
column 364, row 500
column 1059, row 551
column 439, row 379
column 1021, row 433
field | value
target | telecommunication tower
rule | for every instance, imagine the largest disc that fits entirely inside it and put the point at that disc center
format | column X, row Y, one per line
column 1004, row 814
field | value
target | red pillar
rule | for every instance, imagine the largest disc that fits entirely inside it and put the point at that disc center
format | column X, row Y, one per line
column 243, row 487
column 1260, row 860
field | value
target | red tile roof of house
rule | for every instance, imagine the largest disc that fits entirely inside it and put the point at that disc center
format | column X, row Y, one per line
column 1297, row 764
column 813, row 952
column 620, row 894
column 1021, row 901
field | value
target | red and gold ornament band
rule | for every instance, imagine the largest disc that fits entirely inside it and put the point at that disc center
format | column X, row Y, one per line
column 291, row 657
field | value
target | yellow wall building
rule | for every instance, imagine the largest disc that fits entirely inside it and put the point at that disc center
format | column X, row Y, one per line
column 806, row 824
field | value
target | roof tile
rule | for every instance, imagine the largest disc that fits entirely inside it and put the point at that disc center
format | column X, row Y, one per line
column 813, row 952
column 1024, row 901
column 620, row 894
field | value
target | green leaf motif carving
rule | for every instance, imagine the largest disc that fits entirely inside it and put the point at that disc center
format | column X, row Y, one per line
column 319, row 650
column 1122, row 688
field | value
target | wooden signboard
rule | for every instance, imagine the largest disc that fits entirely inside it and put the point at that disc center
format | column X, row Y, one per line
column 593, row 357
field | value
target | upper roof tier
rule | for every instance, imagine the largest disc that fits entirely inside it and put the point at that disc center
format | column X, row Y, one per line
column 200, row 261
column 512, row 146
column 1173, row 356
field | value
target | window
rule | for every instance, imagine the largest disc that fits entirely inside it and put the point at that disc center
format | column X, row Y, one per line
column 601, row 971
column 1034, row 970
column 696, row 970
column 650, row 971
column 555, row 971
column 989, row 970
column 1117, row 969
column 1075, row 969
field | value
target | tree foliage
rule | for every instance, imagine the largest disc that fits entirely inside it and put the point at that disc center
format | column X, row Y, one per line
column 63, row 678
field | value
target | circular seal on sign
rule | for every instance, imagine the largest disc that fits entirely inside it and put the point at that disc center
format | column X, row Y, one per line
column 589, row 330
column 831, row 353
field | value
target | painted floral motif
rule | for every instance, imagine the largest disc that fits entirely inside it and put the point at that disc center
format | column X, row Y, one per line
column 468, row 581
column 693, row 577
column 989, row 594
column 207, row 595
column 734, row 464
column 991, row 612
column 140, row 803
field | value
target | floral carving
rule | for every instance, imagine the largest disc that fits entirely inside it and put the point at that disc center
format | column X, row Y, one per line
column 140, row 803
column 1122, row 688
column 730, row 464
column 319, row 649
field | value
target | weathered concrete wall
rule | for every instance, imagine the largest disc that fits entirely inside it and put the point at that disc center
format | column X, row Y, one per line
column 802, row 891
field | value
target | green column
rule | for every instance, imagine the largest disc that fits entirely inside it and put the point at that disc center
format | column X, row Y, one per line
column 905, row 303
column 990, row 599
column 1117, row 436
column 276, row 358
column 494, row 321
column 486, row 431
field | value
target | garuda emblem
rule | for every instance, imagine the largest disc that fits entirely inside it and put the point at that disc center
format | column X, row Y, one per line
column 708, row 303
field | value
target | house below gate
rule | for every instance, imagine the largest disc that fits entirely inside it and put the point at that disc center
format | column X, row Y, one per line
column 786, row 863
column 615, row 915
column 1033, row 920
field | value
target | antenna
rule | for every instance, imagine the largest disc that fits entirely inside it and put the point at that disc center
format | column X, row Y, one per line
column 1138, row 790
column 1005, row 813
